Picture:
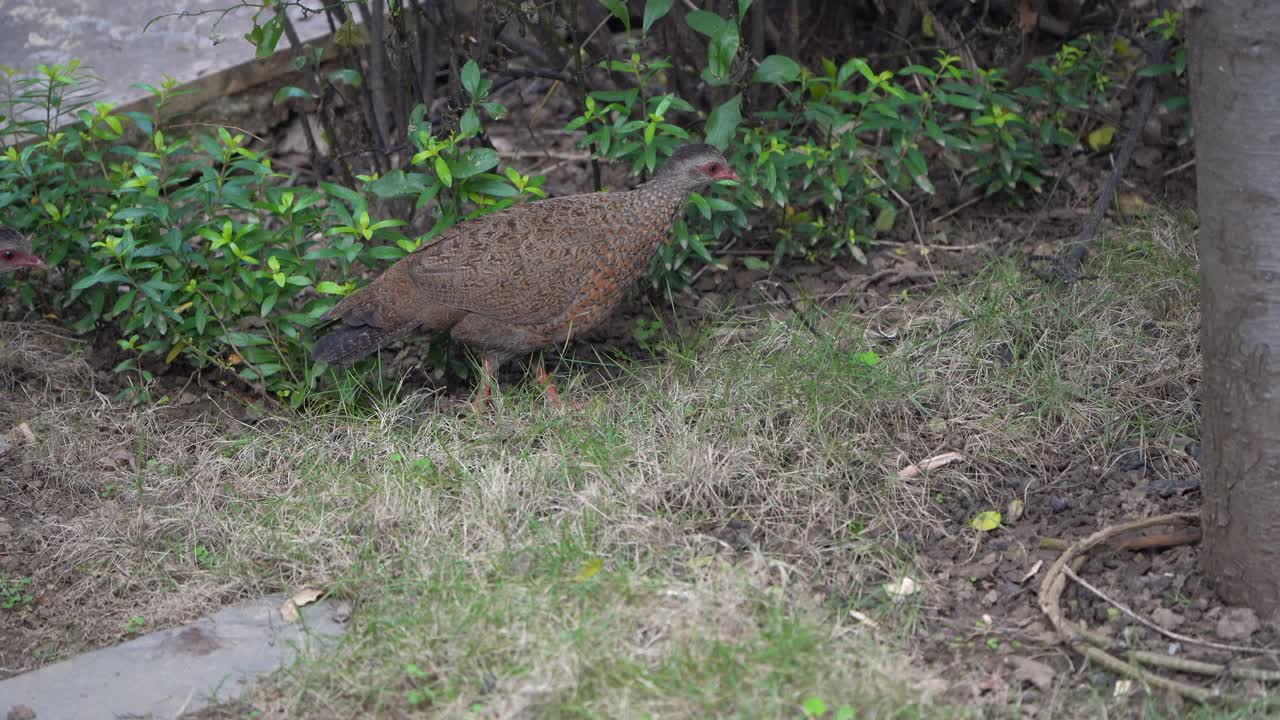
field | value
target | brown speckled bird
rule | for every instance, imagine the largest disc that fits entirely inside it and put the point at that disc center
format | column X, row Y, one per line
column 524, row 278
column 15, row 251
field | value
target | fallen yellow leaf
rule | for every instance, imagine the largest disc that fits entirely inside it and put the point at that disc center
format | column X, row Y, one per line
column 300, row 599
column 985, row 521
column 1101, row 137
column 589, row 570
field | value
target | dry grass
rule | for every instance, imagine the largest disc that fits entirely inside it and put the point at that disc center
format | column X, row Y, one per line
column 736, row 497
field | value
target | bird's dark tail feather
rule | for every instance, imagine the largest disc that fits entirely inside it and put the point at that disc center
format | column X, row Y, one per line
column 346, row 343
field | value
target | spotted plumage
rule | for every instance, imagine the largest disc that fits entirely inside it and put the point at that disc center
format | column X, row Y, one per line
column 530, row 276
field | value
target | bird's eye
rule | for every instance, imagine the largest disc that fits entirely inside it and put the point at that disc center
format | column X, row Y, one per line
column 8, row 254
column 713, row 168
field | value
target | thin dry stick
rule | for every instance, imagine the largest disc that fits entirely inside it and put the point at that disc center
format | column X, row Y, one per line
column 1167, row 633
column 1075, row 256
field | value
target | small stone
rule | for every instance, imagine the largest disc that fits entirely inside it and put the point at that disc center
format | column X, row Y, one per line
column 1237, row 624
column 1166, row 618
column 1147, row 156
column 1058, row 503
column 1033, row 671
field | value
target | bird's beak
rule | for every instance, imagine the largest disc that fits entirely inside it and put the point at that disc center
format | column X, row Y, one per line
column 30, row 261
column 726, row 174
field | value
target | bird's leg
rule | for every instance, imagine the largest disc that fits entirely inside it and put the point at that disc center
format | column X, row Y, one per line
column 488, row 378
column 553, row 395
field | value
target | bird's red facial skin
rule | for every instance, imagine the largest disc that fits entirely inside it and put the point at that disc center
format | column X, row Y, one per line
column 719, row 171
column 17, row 259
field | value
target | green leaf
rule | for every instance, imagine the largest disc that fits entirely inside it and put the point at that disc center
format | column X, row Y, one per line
column 471, row 77
column 442, row 172
column 469, row 126
column 777, row 69
column 329, row 288
column 619, row 11
column 289, row 92
column 723, row 122
column 267, row 35
column 743, row 6
column 655, row 10
column 346, row 76
column 474, row 162
column 814, row 707
column 398, row 183
column 706, row 22
column 755, row 263
column 885, row 219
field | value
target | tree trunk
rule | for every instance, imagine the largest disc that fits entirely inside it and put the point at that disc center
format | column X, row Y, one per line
column 1235, row 86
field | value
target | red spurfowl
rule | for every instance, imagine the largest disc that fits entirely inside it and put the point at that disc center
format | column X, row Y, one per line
column 524, row 278
column 15, row 251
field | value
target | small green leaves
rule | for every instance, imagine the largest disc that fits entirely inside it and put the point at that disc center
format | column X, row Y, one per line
column 619, row 10
column 443, row 172
column 777, row 69
column 346, row 76
column 654, row 10
column 289, row 92
column 724, row 121
column 471, row 77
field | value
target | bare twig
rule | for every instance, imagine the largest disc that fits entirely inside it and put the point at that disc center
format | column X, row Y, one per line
column 1090, row 643
column 1147, row 623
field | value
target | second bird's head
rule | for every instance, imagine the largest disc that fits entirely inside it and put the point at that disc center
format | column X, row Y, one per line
column 695, row 166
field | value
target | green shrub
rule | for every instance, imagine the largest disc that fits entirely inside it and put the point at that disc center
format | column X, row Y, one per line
column 845, row 149
column 193, row 246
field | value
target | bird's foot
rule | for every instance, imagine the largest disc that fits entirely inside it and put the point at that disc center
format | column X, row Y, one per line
column 553, row 395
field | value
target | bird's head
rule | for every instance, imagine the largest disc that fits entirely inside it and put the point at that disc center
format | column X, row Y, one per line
column 15, row 251
column 695, row 166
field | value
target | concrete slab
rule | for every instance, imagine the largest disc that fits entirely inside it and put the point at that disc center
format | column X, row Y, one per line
column 108, row 36
column 178, row 670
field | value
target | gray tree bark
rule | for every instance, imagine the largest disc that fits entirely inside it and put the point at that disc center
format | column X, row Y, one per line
column 1235, row 91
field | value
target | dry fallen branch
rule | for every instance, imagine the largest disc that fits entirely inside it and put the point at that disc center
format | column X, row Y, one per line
column 1094, row 645
column 1067, row 267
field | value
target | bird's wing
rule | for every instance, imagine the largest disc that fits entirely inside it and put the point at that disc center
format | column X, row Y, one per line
column 524, row 265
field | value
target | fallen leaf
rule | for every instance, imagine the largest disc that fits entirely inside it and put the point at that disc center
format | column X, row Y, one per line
column 1102, row 137
column 1123, row 687
column 863, row 618
column 902, row 588
column 1132, row 204
column 589, row 570
column 936, row 461
column 300, row 599
column 25, row 431
column 985, row 521
column 1014, row 510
